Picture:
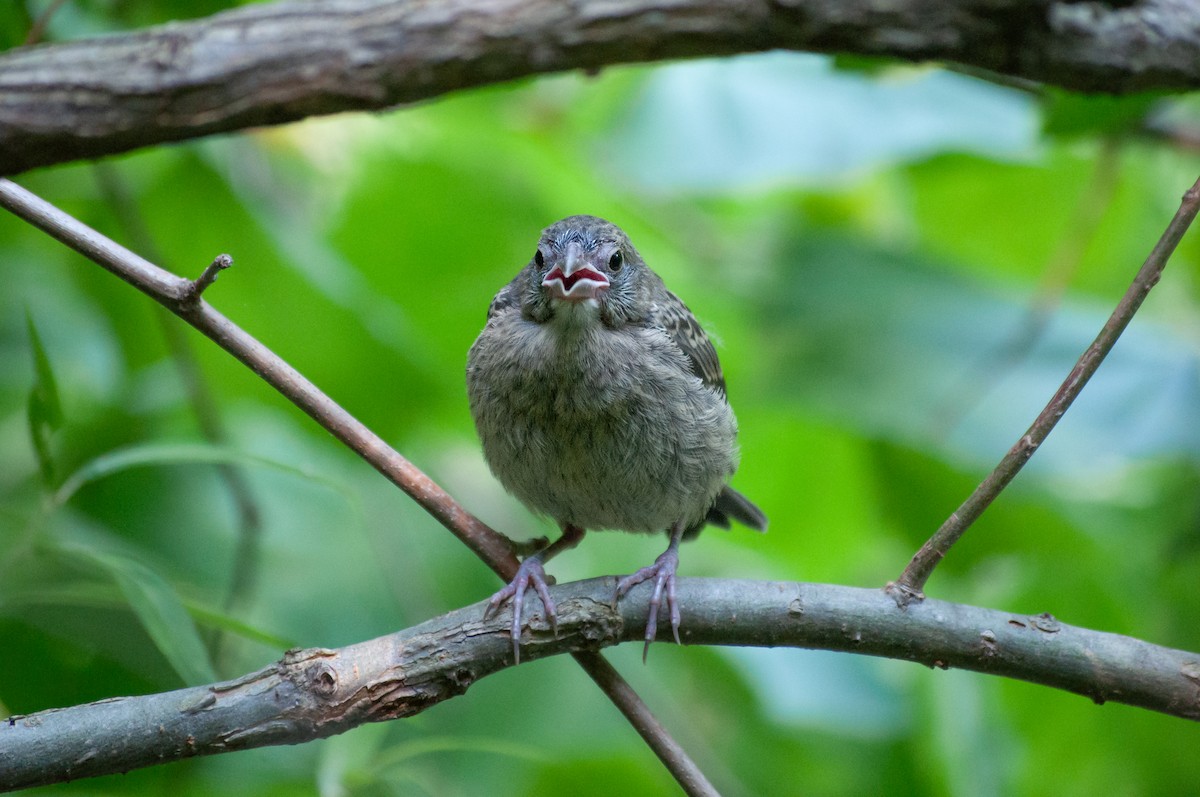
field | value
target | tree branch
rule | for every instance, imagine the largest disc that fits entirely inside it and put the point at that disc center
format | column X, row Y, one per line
column 182, row 297
column 315, row 693
column 275, row 63
column 908, row 587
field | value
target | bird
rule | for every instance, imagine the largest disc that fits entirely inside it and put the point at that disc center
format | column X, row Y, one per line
column 600, row 402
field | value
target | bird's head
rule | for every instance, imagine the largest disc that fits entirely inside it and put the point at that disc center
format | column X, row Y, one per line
column 585, row 268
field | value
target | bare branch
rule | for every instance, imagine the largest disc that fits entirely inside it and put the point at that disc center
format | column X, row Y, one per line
column 908, row 587
column 181, row 296
column 209, row 276
column 316, row 693
column 38, row 28
column 268, row 64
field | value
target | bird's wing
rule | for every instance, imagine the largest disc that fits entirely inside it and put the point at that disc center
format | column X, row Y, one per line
column 509, row 296
column 674, row 317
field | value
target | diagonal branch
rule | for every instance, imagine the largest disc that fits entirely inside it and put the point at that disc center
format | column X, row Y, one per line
column 317, row 692
column 272, row 63
column 182, row 297
column 912, row 581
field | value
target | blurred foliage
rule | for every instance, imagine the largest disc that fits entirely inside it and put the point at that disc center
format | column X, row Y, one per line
column 877, row 251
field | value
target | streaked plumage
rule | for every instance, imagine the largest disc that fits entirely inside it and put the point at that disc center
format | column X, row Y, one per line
column 600, row 402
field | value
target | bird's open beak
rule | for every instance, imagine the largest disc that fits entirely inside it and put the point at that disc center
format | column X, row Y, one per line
column 574, row 281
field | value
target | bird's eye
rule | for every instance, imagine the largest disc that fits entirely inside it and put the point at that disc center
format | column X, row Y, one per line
column 615, row 262
column 537, row 258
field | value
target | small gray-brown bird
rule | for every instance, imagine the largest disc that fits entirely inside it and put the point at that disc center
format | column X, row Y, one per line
column 600, row 402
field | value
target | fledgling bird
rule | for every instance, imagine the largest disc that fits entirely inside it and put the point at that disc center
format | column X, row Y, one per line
column 600, row 402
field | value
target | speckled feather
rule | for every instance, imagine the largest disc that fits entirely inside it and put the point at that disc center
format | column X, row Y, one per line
column 611, row 416
column 600, row 402
column 668, row 312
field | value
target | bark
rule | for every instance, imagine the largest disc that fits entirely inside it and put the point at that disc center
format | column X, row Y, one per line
column 276, row 63
column 317, row 692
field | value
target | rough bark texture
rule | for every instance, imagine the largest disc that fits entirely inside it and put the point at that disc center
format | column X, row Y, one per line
column 314, row 693
column 275, row 63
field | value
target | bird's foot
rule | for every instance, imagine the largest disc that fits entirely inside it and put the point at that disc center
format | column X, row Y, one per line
column 526, row 548
column 663, row 573
column 530, row 573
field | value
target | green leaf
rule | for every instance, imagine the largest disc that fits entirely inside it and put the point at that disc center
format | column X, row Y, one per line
column 141, row 456
column 14, row 24
column 82, row 594
column 402, row 753
column 892, row 344
column 868, row 65
column 44, row 407
column 231, row 625
column 157, row 607
column 99, row 595
column 742, row 124
column 1071, row 115
column 369, row 756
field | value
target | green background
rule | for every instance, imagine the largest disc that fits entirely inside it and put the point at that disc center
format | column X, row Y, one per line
column 899, row 265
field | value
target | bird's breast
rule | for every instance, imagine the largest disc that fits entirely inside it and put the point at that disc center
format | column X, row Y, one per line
column 599, row 427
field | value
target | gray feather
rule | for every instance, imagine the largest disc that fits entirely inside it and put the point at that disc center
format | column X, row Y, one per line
column 674, row 316
column 608, row 413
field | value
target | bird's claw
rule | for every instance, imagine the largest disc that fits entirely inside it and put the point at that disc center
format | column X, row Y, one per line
column 530, row 573
column 663, row 573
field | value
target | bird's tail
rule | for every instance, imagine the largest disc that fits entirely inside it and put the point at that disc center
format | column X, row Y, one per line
column 732, row 505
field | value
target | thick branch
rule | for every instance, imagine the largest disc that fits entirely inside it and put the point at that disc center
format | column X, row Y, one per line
column 276, row 63
column 317, row 693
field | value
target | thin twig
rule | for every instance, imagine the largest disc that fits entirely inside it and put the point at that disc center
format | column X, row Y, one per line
column 38, row 29
column 909, row 586
column 209, row 275
column 178, row 295
column 643, row 720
